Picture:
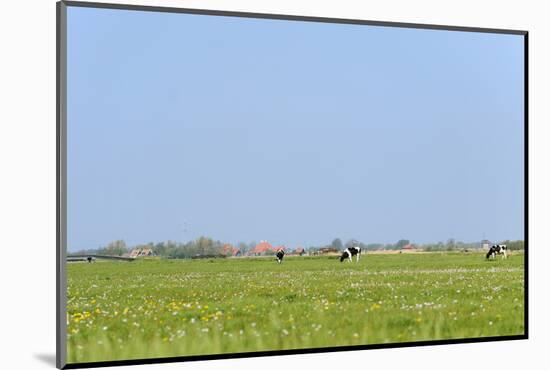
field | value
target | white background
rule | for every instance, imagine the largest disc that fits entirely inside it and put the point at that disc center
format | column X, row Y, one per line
column 27, row 185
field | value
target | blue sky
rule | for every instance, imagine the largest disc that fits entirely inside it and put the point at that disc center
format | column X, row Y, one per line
column 294, row 132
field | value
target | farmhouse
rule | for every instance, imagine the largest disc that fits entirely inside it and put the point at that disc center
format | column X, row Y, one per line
column 486, row 244
column 230, row 251
column 264, row 248
column 299, row 251
column 409, row 248
column 141, row 252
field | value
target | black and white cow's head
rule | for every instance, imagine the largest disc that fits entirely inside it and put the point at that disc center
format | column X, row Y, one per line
column 497, row 249
column 350, row 252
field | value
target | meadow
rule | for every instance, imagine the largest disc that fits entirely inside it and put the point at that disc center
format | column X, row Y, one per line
column 161, row 308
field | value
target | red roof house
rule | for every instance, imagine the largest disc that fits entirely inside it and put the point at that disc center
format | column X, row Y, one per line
column 230, row 250
column 261, row 248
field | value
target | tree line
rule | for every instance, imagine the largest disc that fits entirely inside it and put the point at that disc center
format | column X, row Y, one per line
column 205, row 246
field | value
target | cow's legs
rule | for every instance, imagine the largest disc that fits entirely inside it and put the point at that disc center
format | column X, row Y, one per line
column 358, row 254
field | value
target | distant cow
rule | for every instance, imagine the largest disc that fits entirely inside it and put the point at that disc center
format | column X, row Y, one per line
column 497, row 249
column 350, row 252
column 280, row 254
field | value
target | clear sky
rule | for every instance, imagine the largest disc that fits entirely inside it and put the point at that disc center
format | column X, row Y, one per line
column 294, row 132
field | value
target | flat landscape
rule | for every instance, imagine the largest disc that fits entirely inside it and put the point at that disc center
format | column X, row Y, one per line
column 159, row 308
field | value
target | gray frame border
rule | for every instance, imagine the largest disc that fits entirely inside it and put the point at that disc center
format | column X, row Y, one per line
column 61, row 184
column 287, row 17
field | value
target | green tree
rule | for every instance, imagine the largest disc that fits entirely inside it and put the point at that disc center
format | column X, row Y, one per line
column 352, row 243
column 337, row 243
column 401, row 243
column 514, row 245
column 243, row 247
column 450, row 244
column 116, row 248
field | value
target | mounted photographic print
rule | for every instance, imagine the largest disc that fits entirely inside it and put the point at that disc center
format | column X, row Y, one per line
column 237, row 184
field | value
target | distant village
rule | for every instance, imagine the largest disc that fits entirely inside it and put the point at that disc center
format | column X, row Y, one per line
column 228, row 250
column 205, row 247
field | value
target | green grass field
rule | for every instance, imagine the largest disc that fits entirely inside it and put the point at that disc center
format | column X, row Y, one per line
column 160, row 308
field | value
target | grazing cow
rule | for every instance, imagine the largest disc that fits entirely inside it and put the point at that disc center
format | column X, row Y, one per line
column 497, row 249
column 350, row 252
column 90, row 259
column 280, row 254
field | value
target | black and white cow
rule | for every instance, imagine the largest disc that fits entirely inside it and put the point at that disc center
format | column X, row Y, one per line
column 350, row 252
column 497, row 249
column 280, row 254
